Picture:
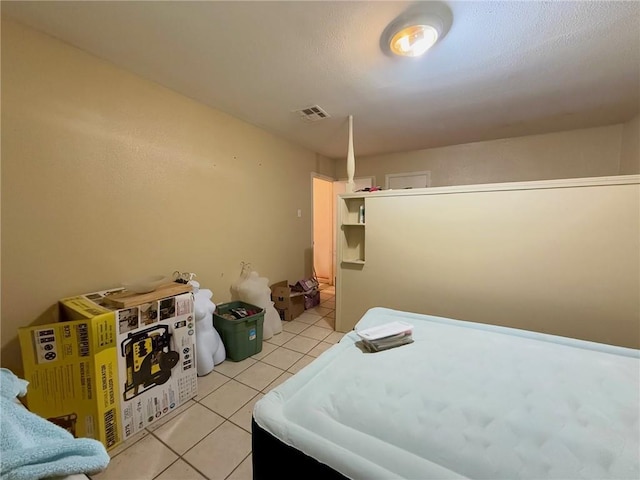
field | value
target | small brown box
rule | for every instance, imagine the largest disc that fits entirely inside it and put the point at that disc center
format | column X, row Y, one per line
column 289, row 304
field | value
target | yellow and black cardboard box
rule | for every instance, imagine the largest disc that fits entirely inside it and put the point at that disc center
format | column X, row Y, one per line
column 72, row 369
column 113, row 371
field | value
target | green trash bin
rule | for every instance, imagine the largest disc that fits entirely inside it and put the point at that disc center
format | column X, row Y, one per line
column 241, row 337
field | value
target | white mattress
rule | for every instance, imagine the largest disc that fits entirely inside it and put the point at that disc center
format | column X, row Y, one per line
column 465, row 400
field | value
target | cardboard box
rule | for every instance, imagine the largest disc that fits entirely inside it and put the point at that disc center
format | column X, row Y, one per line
column 155, row 352
column 289, row 304
column 311, row 299
column 113, row 371
column 72, row 369
column 306, row 285
column 310, row 288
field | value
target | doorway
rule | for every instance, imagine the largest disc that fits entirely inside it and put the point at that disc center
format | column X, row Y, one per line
column 325, row 191
column 322, row 188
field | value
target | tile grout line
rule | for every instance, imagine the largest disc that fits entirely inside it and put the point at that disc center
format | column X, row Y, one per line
column 202, row 439
column 234, row 412
column 225, row 419
column 238, row 466
column 172, row 463
column 152, row 433
column 262, row 391
column 265, row 363
column 258, row 392
column 149, row 432
column 181, row 457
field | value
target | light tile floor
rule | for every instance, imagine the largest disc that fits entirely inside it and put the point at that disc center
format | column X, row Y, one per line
column 210, row 436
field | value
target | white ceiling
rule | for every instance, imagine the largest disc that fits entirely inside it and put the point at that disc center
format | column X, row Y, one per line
column 504, row 69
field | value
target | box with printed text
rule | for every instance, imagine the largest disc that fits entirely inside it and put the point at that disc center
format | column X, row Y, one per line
column 72, row 370
column 131, row 366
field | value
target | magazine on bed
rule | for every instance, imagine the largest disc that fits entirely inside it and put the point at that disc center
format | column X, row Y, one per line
column 384, row 337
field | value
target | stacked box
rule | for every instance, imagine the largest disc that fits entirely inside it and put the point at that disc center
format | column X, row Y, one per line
column 129, row 366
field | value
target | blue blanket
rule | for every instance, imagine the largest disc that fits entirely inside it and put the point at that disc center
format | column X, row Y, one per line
column 32, row 447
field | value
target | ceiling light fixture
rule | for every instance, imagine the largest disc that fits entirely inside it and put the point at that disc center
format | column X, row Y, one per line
column 414, row 40
column 416, row 30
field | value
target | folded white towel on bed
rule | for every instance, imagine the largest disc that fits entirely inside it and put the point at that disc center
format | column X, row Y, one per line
column 32, row 447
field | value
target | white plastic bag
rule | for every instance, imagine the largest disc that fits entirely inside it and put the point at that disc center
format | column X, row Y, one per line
column 253, row 289
column 244, row 274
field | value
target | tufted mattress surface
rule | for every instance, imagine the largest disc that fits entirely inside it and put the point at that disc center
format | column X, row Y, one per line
column 465, row 400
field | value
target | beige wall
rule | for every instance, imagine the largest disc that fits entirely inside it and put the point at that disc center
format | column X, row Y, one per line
column 107, row 177
column 630, row 149
column 589, row 152
column 562, row 260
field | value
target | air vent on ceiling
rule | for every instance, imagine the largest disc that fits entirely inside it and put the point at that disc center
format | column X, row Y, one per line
column 313, row 113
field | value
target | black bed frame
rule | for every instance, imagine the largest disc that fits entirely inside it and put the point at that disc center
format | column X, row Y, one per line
column 274, row 459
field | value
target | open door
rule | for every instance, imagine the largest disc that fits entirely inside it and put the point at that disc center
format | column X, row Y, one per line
column 323, row 225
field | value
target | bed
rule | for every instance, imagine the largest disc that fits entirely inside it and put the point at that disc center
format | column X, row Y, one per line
column 464, row 400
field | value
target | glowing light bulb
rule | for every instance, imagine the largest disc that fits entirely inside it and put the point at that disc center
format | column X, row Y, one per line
column 414, row 40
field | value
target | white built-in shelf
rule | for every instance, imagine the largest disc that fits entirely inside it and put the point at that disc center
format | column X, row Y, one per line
column 354, row 262
column 353, row 229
